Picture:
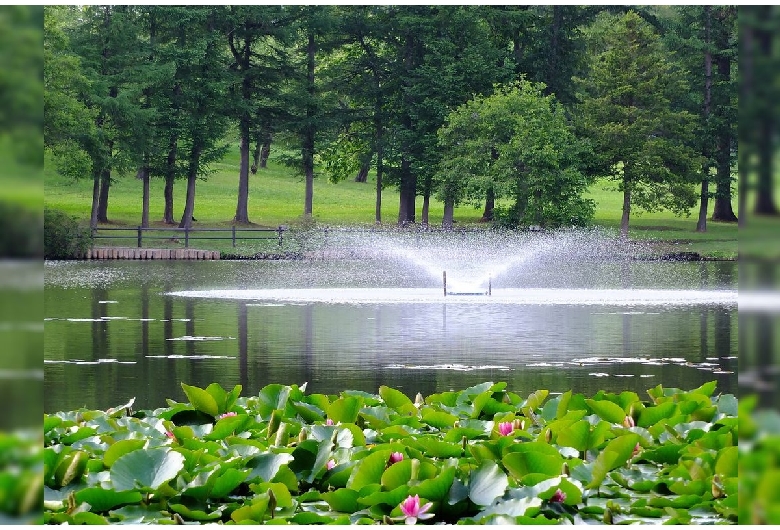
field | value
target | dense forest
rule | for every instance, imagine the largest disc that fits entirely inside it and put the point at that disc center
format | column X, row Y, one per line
column 514, row 109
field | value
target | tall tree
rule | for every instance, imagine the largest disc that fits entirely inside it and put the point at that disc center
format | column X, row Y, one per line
column 257, row 36
column 627, row 112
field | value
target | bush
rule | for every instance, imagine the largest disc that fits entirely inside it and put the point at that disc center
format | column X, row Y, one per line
column 63, row 237
column 20, row 231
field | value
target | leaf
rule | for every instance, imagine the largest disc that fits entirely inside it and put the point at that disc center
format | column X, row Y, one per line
column 121, row 448
column 390, row 498
column 369, row 470
column 70, row 468
column 102, row 500
column 195, row 515
column 342, row 500
column 397, row 475
column 435, row 489
column 576, row 436
column 145, row 469
column 201, row 400
column 345, row 409
column 397, row 400
column 534, row 457
column 439, row 449
column 227, row 481
column 487, row 483
column 254, row 512
column 652, row 415
column 727, row 464
column 437, row 418
column 606, row 410
column 616, row 453
column 267, row 465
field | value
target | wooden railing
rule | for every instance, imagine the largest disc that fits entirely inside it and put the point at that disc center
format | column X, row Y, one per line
column 234, row 234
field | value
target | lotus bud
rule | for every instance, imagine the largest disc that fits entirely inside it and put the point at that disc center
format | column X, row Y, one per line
column 178, row 519
column 281, row 435
column 302, row 436
column 548, row 436
column 507, row 400
column 607, row 516
column 717, row 487
column 419, row 400
column 415, row 469
column 464, row 442
column 271, row 502
column 518, row 424
column 628, row 422
column 273, row 424
column 456, row 425
column 565, row 469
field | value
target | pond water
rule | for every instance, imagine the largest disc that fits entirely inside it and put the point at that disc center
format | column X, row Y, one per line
column 348, row 319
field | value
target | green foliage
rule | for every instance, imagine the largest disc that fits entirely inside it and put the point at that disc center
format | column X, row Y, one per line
column 518, row 143
column 21, row 231
column 63, row 237
column 135, row 471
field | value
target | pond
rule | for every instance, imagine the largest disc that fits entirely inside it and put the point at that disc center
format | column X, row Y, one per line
column 559, row 315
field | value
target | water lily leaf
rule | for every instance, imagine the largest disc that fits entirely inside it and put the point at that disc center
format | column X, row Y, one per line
column 534, row 401
column 70, row 468
column 201, row 400
column 79, row 434
column 706, row 389
column 398, row 474
column 533, row 457
column 439, row 449
column 306, row 518
column 228, row 426
column 438, row 418
column 577, row 435
column 606, row 410
column 102, row 500
column 218, row 393
column 457, row 434
column 652, row 415
column 280, row 491
column 728, row 405
column 145, row 468
column 369, row 470
column 397, row 400
column 727, row 464
column 50, row 422
column 120, row 448
column 487, row 483
column 254, row 512
column 308, row 412
column 510, row 507
column 615, row 454
column 390, row 498
column 345, row 409
column 342, row 500
column 194, row 515
column 437, row 488
column 227, row 481
column 267, row 465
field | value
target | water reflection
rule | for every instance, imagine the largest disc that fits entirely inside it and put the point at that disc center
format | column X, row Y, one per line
column 146, row 342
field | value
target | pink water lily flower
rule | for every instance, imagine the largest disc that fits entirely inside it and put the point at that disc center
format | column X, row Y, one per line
column 169, row 434
column 396, row 457
column 226, row 415
column 505, row 428
column 331, row 464
column 412, row 510
column 329, row 422
column 558, row 496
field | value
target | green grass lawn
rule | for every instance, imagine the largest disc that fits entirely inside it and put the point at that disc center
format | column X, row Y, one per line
column 276, row 198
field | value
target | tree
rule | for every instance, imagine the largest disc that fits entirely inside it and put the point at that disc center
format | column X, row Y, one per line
column 516, row 142
column 257, row 36
column 635, row 131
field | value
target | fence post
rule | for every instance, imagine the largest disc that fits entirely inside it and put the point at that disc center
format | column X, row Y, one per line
column 234, row 236
column 280, row 236
column 140, row 236
column 186, row 236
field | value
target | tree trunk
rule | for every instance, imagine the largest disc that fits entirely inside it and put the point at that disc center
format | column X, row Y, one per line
column 143, row 174
column 105, row 185
column 449, row 212
column 765, row 201
column 242, row 215
column 626, row 210
column 308, row 133
column 256, row 156
column 490, row 204
column 265, row 152
column 426, row 207
column 192, row 178
column 408, row 191
column 170, row 178
column 93, row 217
column 365, row 167
column 261, row 151
column 701, row 225
column 379, row 165
column 722, row 209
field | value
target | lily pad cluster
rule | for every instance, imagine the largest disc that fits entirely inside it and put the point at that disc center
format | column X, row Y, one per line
column 482, row 455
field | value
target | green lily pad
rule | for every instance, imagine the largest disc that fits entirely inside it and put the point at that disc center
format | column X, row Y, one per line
column 102, row 500
column 145, row 469
column 487, row 483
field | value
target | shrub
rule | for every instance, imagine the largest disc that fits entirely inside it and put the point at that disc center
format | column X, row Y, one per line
column 20, row 231
column 63, row 237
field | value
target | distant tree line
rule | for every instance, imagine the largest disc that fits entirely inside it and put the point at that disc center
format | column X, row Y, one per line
column 515, row 109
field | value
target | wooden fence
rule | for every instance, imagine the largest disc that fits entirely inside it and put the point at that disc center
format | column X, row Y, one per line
column 141, row 234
